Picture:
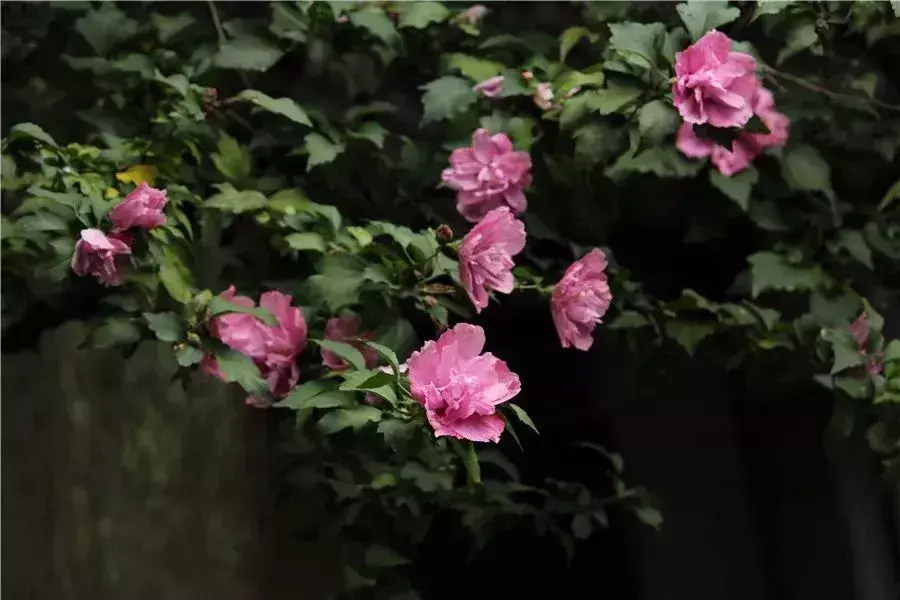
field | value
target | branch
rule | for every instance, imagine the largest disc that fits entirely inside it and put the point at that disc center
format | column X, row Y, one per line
column 836, row 96
column 217, row 21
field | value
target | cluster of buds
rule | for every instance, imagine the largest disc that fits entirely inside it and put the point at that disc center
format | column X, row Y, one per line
column 210, row 100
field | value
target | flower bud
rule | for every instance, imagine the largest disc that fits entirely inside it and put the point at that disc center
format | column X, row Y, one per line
column 444, row 233
column 430, row 301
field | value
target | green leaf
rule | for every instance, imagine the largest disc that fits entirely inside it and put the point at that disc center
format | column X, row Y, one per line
column 582, row 527
column 771, row 271
column 321, row 150
column 288, row 22
column 801, row 37
column 638, row 43
column 445, row 98
column 338, row 281
column 115, row 332
column 247, row 54
column 853, row 241
column 371, row 131
column 700, row 17
column 649, row 516
column 240, row 369
column 737, row 187
column 892, row 194
column 175, row 278
column 376, row 382
column 846, row 354
column 386, row 353
column 345, row 418
column 232, row 160
column 167, row 27
column 475, row 68
column 689, row 334
column 105, row 27
column 770, row 7
column 306, row 240
column 281, row 106
column 382, row 556
column 570, row 38
column 804, row 169
column 611, row 100
column 236, row 201
column 299, row 398
column 398, row 335
column 220, row 306
column 422, row 14
column 292, row 201
column 32, row 131
column 891, row 351
column 167, row 326
column 188, row 356
column 522, row 416
column 377, row 23
column 628, row 319
column 656, row 120
column 347, row 352
column 660, row 161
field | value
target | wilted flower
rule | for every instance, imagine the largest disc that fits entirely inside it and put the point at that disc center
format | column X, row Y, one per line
column 746, row 146
column 713, row 84
column 101, row 255
column 490, row 88
column 580, row 300
column 342, row 329
column 488, row 175
column 274, row 348
column 485, row 255
column 543, row 96
column 460, row 387
column 860, row 331
column 141, row 208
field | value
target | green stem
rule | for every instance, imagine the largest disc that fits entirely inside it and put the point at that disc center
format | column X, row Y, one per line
column 473, row 468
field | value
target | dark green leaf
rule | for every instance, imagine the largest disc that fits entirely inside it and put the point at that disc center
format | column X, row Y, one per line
column 421, row 14
column 188, row 356
column 700, row 17
column 247, row 54
column 219, row 306
column 771, row 271
column 737, row 187
column 347, row 352
column 348, row 418
column 237, row 368
column 321, row 150
column 522, row 416
column 307, row 240
column 638, row 43
column 804, row 169
column 232, row 160
column 236, row 201
column 167, row 326
column 281, row 106
column 582, row 527
column 30, row 130
column 105, row 27
column 446, row 97
column 375, row 22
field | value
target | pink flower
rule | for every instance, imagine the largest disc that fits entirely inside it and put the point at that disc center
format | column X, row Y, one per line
column 274, row 348
column 488, row 175
column 342, row 329
column 746, row 146
column 580, row 300
column 490, row 88
column 485, row 255
column 860, row 331
column 714, row 85
column 101, row 255
column 460, row 387
column 543, row 96
column 141, row 208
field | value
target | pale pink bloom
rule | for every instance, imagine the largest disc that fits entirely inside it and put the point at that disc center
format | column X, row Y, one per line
column 490, row 88
column 488, row 175
column 141, row 208
column 343, row 329
column 543, row 96
column 274, row 348
column 860, row 331
column 527, row 75
column 713, row 84
column 580, row 300
column 485, row 255
column 460, row 387
column 101, row 255
column 475, row 13
column 746, row 146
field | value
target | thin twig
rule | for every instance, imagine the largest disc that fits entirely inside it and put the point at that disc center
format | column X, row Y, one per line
column 217, row 21
column 837, row 96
